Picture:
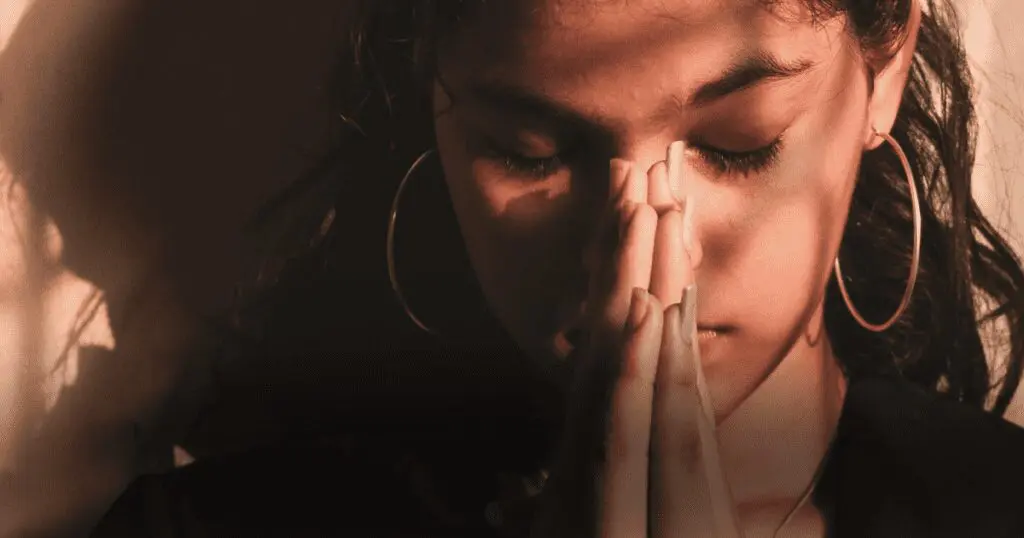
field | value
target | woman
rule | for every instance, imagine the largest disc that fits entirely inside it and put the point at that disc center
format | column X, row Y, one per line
column 810, row 144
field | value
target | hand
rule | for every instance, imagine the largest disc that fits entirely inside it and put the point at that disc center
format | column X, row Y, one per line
column 640, row 455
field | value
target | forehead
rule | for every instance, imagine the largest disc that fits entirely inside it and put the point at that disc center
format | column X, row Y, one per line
column 617, row 55
column 509, row 30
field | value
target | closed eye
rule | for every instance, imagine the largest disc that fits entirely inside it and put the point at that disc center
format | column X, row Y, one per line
column 740, row 163
column 724, row 162
column 536, row 168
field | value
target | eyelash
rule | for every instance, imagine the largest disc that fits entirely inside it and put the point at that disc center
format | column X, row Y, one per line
column 530, row 167
column 743, row 163
column 724, row 162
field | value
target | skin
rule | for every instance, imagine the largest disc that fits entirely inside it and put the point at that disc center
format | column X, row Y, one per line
column 626, row 71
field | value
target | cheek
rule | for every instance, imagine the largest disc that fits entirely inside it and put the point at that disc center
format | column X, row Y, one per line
column 778, row 239
column 524, row 238
column 770, row 259
column 778, row 270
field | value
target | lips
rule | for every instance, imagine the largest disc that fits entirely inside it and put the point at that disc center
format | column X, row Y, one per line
column 707, row 332
column 574, row 336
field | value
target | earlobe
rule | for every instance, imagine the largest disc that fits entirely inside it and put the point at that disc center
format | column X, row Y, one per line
column 889, row 82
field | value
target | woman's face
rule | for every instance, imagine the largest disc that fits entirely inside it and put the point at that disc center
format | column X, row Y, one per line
column 545, row 92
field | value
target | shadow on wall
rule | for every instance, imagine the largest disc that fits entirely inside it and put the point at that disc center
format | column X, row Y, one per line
column 149, row 132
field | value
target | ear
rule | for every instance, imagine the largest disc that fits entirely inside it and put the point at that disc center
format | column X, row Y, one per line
column 890, row 81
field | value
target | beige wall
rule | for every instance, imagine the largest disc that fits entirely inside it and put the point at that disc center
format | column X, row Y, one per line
column 86, row 109
column 996, row 46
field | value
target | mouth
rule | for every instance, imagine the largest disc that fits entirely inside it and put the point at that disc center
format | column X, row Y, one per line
column 711, row 332
column 572, row 338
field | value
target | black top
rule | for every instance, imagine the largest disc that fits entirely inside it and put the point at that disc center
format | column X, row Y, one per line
column 905, row 463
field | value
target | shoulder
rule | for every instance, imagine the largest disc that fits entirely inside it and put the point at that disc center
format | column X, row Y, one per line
column 958, row 468
column 908, row 418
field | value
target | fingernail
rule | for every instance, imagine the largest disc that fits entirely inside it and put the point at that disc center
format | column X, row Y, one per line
column 689, row 321
column 638, row 307
column 675, row 159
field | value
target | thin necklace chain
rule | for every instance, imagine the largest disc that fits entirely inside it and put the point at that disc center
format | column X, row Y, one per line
column 809, row 490
column 535, row 483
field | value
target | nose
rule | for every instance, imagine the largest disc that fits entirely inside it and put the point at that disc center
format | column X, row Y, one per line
column 647, row 151
column 652, row 151
column 644, row 153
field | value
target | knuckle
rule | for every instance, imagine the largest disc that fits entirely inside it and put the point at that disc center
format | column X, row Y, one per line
column 611, row 321
column 690, row 451
column 646, row 214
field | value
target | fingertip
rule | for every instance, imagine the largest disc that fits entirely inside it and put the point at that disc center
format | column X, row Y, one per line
column 675, row 156
column 672, row 330
column 639, row 308
column 689, row 309
column 659, row 191
column 649, row 338
column 673, row 313
column 645, row 311
column 635, row 188
column 657, row 175
column 655, row 310
column 675, row 152
column 619, row 166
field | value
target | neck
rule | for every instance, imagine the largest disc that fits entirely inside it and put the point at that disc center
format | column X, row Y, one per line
column 772, row 443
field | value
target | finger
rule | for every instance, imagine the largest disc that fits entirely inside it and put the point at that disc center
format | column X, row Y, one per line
column 670, row 266
column 680, row 504
column 659, row 193
column 635, row 188
column 690, row 494
column 675, row 162
column 624, row 484
column 606, row 268
column 676, row 173
column 723, row 507
column 630, row 268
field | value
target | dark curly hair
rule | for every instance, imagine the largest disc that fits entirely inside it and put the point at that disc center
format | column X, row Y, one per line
column 966, row 266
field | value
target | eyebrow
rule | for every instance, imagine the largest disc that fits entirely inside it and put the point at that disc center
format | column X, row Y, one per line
column 750, row 71
column 753, row 69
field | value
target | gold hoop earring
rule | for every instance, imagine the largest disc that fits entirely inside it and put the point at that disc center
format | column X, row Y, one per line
column 914, row 261
column 396, row 288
